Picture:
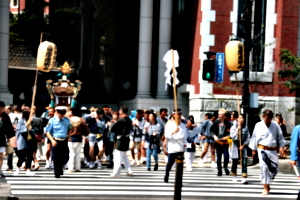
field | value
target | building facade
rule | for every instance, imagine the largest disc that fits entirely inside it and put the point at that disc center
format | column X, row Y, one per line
column 123, row 64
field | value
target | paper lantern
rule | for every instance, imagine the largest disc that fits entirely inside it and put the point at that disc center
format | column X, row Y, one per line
column 234, row 55
column 46, row 56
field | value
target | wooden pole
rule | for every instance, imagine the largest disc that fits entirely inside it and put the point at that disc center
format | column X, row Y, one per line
column 174, row 88
column 34, row 88
column 239, row 111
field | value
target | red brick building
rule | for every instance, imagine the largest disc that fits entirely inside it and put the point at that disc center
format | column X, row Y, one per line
column 216, row 21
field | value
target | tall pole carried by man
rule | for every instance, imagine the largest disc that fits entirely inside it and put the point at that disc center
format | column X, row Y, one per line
column 174, row 129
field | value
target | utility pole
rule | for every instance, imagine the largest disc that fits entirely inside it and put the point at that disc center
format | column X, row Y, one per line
column 247, row 44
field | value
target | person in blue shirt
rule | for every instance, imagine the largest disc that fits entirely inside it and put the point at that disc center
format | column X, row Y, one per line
column 57, row 131
column 295, row 146
column 191, row 134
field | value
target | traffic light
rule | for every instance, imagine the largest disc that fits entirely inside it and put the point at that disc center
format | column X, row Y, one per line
column 208, row 71
column 234, row 55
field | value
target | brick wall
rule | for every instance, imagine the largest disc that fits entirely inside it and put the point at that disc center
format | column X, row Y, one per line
column 286, row 33
column 196, row 59
column 222, row 29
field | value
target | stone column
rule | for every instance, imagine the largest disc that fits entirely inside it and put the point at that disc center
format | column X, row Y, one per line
column 4, row 51
column 86, row 21
column 145, row 48
column 165, row 28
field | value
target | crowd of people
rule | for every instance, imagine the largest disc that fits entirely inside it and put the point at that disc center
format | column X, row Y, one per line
column 103, row 133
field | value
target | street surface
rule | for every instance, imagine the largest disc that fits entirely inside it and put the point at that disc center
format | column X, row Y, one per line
column 202, row 183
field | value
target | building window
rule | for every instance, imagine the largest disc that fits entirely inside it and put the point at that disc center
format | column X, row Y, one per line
column 257, row 58
column 258, row 49
column 14, row 3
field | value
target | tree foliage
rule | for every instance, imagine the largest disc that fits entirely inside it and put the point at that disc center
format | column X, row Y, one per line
column 291, row 69
column 63, row 28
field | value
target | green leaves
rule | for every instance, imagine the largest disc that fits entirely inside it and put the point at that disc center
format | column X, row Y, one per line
column 290, row 71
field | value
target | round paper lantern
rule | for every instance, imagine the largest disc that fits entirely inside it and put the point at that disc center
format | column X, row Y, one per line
column 46, row 56
column 234, row 55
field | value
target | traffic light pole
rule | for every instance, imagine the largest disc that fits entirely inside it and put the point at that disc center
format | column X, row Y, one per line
column 247, row 45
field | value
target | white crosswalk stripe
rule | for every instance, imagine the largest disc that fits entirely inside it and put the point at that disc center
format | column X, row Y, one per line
column 202, row 182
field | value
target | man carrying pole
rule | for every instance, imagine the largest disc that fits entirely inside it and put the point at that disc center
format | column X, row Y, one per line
column 174, row 129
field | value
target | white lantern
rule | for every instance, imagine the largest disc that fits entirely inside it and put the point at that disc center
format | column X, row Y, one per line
column 46, row 56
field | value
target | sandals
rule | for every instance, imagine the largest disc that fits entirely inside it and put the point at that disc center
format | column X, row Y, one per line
column 265, row 193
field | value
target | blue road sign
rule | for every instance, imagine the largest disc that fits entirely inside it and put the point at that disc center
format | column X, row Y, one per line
column 220, row 68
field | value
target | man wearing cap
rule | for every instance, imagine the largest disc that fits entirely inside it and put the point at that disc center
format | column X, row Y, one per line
column 176, row 140
column 57, row 132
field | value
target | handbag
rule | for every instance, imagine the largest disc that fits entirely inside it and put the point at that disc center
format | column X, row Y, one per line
column 38, row 137
column 9, row 149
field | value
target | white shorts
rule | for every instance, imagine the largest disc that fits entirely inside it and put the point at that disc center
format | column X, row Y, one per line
column 100, row 144
column 2, row 149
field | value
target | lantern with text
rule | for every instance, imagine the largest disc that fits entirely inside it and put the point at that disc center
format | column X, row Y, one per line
column 46, row 56
column 234, row 55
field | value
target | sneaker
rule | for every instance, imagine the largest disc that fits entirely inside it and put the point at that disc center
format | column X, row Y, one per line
column 166, row 159
column 29, row 173
column 155, row 167
column 130, row 173
column 17, row 172
column 47, row 166
column 112, row 175
column 189, row 169
column 133, row 162
column 138, row 163
column 91, row 165
column 234, row 179
column 9, row 170
column 227, row 171
column 166, row 179
column 99, row 166
column 213, row 165
column 200, row 163
column 219, row 173
column 51, row 165
column 244, row 181
column 110, row 166
column 37, row 166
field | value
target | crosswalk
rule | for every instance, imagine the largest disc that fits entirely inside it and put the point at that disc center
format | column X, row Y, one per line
column 96, row 184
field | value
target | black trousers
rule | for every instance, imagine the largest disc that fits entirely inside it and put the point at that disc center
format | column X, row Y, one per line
column 222, row 150
column 244, row 167
column 110, row 150
column 26, row 154
column 60, row 156
column 10, row 158
column 171, row 159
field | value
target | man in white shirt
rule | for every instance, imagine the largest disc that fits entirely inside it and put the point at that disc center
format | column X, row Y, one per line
column 266, row 139
column 176, row 140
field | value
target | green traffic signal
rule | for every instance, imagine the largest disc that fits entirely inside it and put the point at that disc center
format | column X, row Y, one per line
column 208, row 75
